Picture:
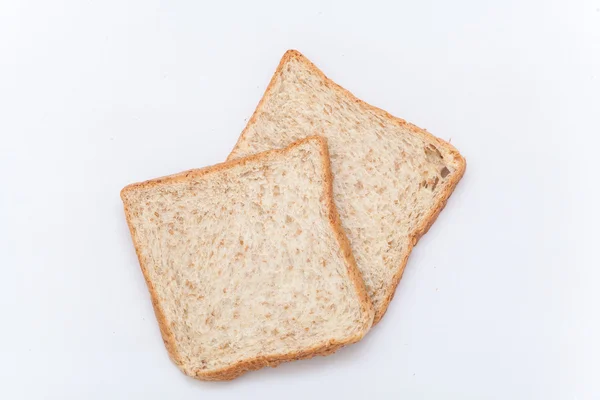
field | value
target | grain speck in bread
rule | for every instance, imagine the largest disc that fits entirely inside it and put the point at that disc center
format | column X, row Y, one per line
column 391, row 178
column 246, row 262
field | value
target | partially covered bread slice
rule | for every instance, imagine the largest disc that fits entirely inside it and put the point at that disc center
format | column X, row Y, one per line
column 246, row 262
column 391, row 178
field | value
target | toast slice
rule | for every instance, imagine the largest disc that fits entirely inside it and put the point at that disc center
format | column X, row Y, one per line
column 246, row 262
column 391, row 178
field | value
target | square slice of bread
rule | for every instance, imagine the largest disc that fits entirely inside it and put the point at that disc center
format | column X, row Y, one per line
column 247, row 263
column 391, row 178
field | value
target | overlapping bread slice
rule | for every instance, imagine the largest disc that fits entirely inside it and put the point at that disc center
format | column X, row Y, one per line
column 246, row 262
column 391, row 178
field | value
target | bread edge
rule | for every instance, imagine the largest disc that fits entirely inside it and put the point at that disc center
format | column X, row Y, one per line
column 167, row 336
column 422, row 229
column 235, row 370
column 459, row 161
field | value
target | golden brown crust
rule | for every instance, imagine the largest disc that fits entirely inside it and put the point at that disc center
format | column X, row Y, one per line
column 433, row 214
column 166, row 334
column 288, row 54
column 421, row 230
column 233, row 371
column 244, row 366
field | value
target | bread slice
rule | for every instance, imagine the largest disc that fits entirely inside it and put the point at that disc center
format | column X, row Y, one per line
column 391, row 178
column 247, row 263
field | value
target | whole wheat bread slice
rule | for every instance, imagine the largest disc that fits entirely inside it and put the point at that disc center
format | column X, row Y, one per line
column 391, row 178
column 247, row 263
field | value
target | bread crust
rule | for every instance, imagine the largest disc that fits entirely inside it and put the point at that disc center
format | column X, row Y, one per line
column 244, row 366
column 430, row 218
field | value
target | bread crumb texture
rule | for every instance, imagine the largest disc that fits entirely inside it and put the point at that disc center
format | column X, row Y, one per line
column 391, row 178
column 244, row 263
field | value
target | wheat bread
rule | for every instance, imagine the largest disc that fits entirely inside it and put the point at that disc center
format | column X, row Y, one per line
column 391, row 178
column 247, row 263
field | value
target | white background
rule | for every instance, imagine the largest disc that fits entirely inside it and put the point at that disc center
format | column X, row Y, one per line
column 500, row 300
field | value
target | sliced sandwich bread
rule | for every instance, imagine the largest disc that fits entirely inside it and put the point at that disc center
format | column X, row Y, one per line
column 246, row 262
column 391, row 178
